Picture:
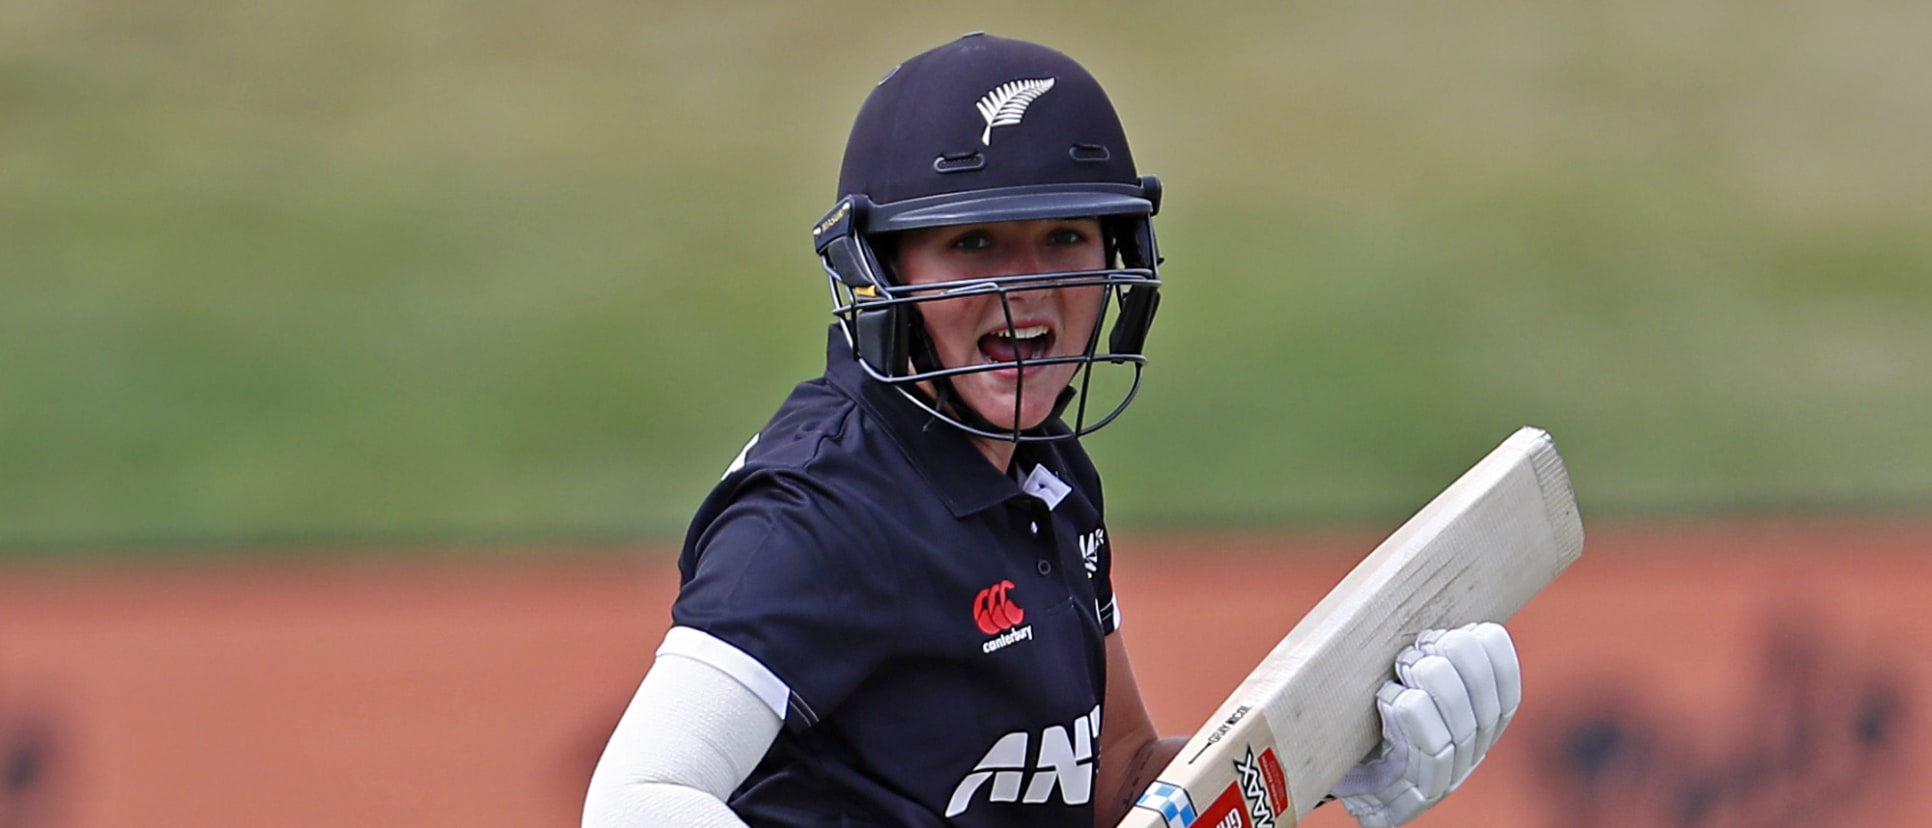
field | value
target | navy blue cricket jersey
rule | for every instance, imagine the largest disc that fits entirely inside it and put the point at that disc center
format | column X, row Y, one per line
column 930, row 629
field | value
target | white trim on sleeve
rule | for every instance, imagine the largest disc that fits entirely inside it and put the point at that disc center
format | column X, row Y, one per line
column 705, row 648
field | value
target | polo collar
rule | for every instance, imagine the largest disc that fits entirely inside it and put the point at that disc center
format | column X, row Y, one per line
column 945, row 456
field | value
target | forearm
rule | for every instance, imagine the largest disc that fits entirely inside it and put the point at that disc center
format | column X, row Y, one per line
column 647, row 803
column 1123, row 783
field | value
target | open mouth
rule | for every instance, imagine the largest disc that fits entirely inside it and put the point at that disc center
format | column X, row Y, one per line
column 1014, row 344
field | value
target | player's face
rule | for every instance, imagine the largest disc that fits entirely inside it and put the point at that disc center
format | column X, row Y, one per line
column 972, row 329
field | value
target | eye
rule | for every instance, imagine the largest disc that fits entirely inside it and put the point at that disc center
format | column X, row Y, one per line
column 973, row 240
column 1064, row 236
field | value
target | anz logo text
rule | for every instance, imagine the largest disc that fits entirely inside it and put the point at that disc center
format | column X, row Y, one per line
column 1023, row 769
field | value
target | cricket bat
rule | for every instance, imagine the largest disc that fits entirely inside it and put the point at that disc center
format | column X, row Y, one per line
column 1306, row 714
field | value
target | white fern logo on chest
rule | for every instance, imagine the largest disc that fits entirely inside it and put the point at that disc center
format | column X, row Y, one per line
column 1090, row 544
column 1007, row 103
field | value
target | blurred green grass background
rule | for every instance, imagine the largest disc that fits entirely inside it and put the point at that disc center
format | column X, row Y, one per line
column 281, row 272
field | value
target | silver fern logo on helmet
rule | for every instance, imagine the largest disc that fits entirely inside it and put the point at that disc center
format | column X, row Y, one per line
column 1007, row 103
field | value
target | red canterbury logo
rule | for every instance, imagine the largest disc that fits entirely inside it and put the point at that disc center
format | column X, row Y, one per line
column 994, row 612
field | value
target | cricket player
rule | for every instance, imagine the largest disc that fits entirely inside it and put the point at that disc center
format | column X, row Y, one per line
column 897, row 606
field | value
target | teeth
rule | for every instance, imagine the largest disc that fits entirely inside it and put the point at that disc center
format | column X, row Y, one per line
column 1027, row 332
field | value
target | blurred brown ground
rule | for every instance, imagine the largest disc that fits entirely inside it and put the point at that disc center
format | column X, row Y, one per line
column 1738, row 674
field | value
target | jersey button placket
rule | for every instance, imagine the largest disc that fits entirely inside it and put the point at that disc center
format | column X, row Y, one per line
column 1033, row 515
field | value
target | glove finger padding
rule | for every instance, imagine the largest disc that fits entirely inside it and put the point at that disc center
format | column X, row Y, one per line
column 1465, row 650
column 1431, row 741
column 1439, row 684
column 1410, row 771
column 1485, row 663
column 1508, row 671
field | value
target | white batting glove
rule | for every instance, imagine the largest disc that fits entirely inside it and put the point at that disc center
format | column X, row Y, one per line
column 1455, row 691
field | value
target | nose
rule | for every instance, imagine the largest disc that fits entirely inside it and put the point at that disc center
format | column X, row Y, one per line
column 1027, row 259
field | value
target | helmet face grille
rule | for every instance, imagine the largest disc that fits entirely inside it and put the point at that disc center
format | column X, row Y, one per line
column 893, row 349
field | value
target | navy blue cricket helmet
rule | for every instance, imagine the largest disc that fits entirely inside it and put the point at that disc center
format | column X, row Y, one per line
column 987, row 129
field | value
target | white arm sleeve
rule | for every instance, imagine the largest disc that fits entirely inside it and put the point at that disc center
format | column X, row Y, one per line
column 690, row 736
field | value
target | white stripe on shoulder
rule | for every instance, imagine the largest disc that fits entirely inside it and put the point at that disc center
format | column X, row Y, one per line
column 701, row 646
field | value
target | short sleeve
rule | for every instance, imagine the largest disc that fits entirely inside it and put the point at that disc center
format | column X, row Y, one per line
column 1106, row 604
column 798, row 584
